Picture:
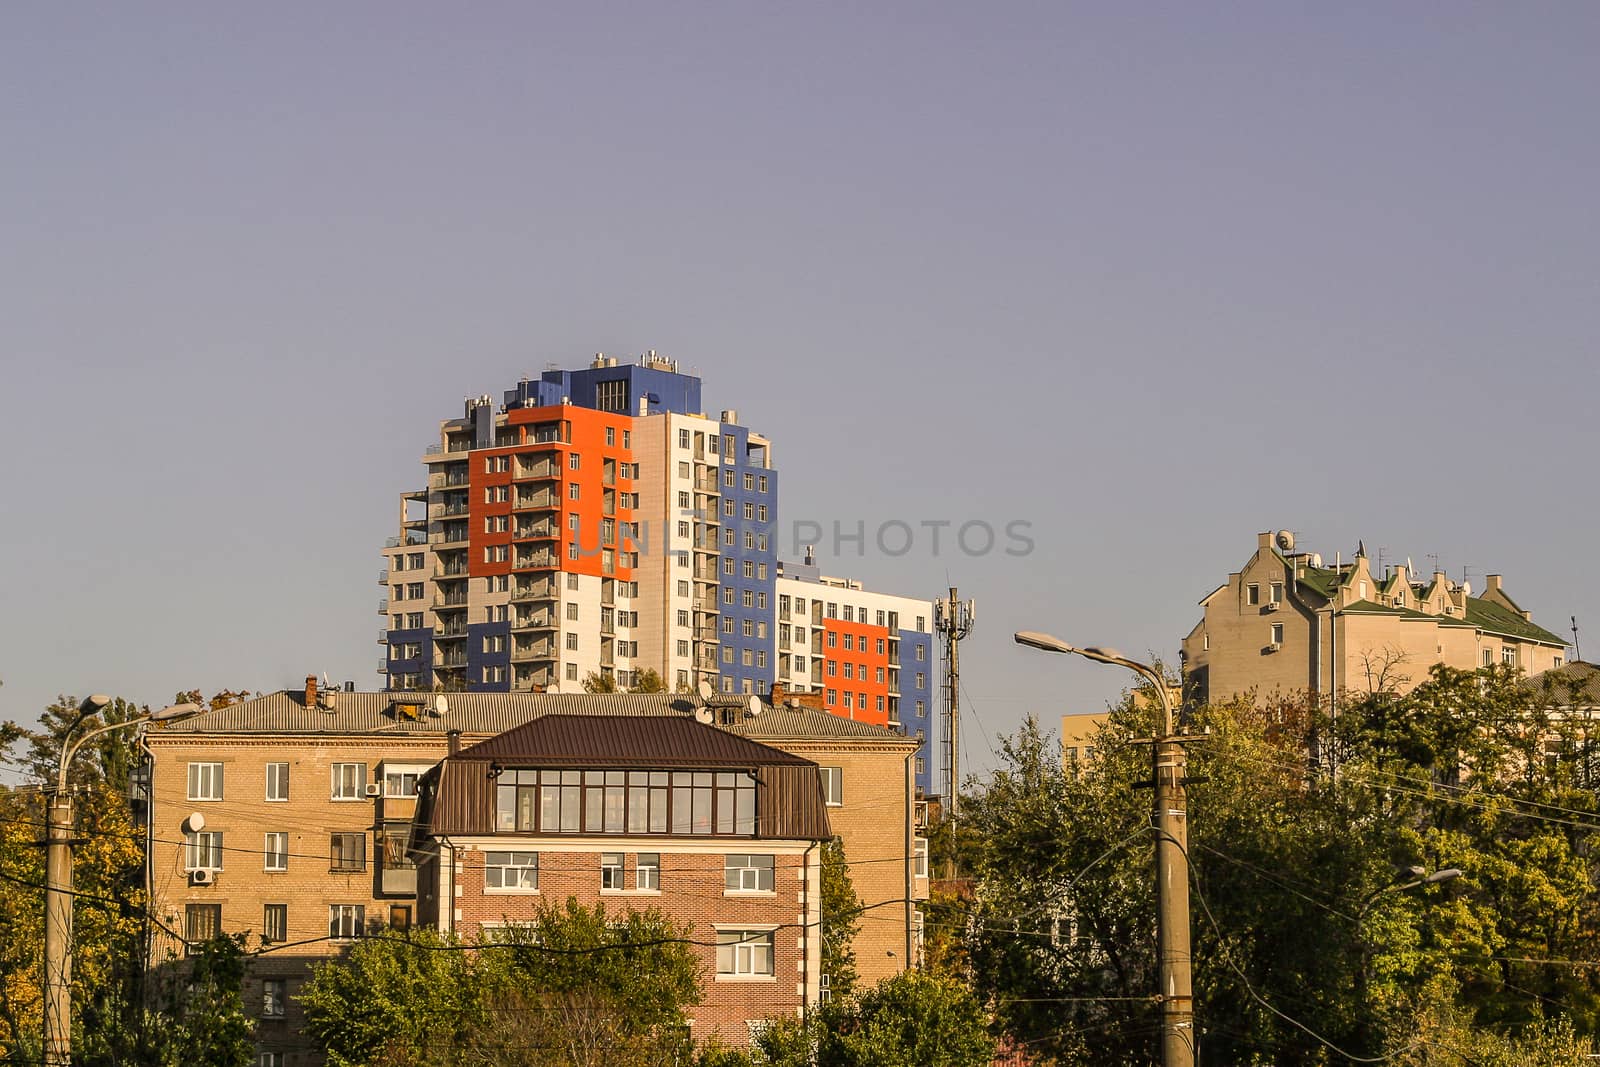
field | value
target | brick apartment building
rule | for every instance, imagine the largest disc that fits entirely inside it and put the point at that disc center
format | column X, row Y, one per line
column 286, row 816
column 719, row 833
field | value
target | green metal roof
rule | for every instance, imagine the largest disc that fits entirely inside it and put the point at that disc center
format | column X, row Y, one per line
column 1489, row 616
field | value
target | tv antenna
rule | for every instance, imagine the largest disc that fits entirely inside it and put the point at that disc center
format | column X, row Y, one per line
column 1577, row 653
column 953, row 619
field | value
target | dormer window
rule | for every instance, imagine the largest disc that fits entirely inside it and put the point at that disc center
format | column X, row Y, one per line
column 1399, row 600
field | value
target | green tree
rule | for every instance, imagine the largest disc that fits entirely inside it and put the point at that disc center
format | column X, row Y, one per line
column 645, row 681
column 841, row 920
column 910, row 1020
column 394, row 1001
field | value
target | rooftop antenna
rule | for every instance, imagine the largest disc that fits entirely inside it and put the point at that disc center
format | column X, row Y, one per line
column 953, row 619
column 1381, row 550
column 1577, row 653
column 1434, row 556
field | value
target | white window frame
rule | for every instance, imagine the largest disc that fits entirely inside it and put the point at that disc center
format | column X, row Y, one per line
column 401, row 771
column 274, row 1007
column 206, row 781
column 202, row 850
column 613, row 872
column 346, row 922
column 652, row 883
column 747, row 953
column 746, row 876
column 519, row 868
column 832, row 785
column 341, row 790
column 919, row 854
column 275, row 851
column 277, row 783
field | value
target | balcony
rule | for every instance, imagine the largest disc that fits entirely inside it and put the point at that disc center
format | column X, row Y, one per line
column 544, row 500
column 448, row 662
column 442, row 511
column 383, row 637
column 537, row 472
column 383, row 576
column 534, row 561
column 544, row 589
column 527, row 531
column 454, row 534
column 451, row 599
column 383, row 666
column 534, row 620
column 448, row 480
column 534, row 677
column 399, row 881
column 525, row 652
column 451, row 570
column 384, row 605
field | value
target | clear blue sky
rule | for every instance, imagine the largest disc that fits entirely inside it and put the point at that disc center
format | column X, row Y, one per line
column 1150, row 277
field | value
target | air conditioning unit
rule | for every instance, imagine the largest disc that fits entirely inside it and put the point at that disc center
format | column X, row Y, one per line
column 374, row 790
column 203, row 876
column 1272, row 605
column 1274, row 647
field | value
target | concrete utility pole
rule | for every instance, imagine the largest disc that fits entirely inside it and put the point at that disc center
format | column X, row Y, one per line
column 1171, row 826
column 58, row 892
column 953, row 619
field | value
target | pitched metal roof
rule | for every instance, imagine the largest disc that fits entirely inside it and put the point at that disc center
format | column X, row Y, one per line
column 285, row 712
column 1496, row 619
column 1576, row 684
column 624, row 741
column 785, row 723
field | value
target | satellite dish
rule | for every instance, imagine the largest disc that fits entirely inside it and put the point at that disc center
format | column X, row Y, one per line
column 702, row 715
column 440, row 705
column 1286, row 540
column 553, row 687
column 755, row 703
column 704, row 689
column 195, row 822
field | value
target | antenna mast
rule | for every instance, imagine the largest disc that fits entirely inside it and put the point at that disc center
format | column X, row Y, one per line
column 953, row 619
column 1577, row 653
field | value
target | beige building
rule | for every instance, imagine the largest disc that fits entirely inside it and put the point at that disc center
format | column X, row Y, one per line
column 1288, row 623
column 286, row 816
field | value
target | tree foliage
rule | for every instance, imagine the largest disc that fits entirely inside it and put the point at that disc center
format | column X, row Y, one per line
column 1297, row 906
column 646, row 681
column 841, row 920
column 575, row 986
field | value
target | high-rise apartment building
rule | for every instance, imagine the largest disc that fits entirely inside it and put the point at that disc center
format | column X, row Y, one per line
column 595, row 522
column 598, row 522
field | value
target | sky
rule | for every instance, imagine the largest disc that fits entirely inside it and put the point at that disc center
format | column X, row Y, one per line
column 1145, row 278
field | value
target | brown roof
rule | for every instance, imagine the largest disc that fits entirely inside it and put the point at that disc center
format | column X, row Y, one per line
column 1576, row 684
column 624, row 741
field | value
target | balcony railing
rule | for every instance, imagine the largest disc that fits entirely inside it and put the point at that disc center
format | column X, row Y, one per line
column 383, row 606
column 544, row 590
column 449, row 631
column 450, row 600
column 534, row 502
column 383, row 666
column 534, row 620
column 536, row 650
column 534, row 560
column 383, row 576
column 383, row 637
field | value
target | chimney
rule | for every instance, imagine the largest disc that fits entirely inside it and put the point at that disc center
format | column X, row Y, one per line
column 777, row 695
column 311, row 690
column 1264, row 540
column 453, row 738
column 1491, row 583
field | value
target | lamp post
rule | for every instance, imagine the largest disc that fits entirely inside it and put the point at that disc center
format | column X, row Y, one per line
column 1172, row 860
column 58, row 892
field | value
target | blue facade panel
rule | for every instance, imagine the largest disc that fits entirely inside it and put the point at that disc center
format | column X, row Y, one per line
column 416, row 648
column 489, row 671
column 595, row 387
column 919, row 713
column 750, row 565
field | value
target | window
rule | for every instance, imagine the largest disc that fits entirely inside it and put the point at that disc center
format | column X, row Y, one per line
column 744, row 953
column 205, row 781
column 275, row 922
column 611, row 870
column 511, row 871
column 277, row 851
column 1252, row 595
column 277, row 781
column 349, row 781
column 683, row 438
column 274, row 997
column 574, row 491
column 202, row 850
column 920, row 858
column 1277, row 633
column 346, row 921
column 627, row 438
column 1276, row 592
column 611, row 435
column 747, row 873
column 1508, row 655
column 400, row 782
column 922, row 653
column 269, row 1059
column 201, row 922
column 347, row 852
column 572, row 642
column 832, row 784
column 647, row 874
column 400, row 917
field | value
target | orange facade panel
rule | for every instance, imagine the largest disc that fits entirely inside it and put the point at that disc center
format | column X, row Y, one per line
column 856, row 669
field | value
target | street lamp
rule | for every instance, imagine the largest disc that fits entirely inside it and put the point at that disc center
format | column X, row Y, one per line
column 58, row 892
column 1172, row 859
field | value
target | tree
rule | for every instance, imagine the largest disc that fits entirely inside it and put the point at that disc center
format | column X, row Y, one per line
column 574, row 986
column 645, row 681
column 203, row 1019
column 394, row 1001
column 909, row 1020
column 841, row 920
